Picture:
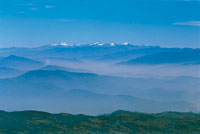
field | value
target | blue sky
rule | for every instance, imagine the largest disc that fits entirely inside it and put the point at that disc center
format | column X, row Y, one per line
column 167, row 23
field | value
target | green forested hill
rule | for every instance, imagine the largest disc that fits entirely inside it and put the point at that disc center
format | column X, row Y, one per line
column 119, row 122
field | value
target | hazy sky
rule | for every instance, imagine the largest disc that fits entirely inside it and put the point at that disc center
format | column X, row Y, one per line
column 31, row 23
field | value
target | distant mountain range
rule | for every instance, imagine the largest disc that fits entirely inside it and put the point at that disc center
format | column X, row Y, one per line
column 47, row 89
column 58, row 77
column 98, row 83
column 179, row 57
column 127, row 53
column 118, row 122
column 13, row 66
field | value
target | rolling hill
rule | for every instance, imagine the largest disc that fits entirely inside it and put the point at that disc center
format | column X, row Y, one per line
column 53, row 90
column 53, row 67
column 181, row 57
column 119, row 122
column 9, row 73
column 20, row 63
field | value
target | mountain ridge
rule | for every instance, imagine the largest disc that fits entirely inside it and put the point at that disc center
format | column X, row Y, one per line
column 95, row 51
column 109, row 91
column 18, row 62
column 123, row 122
column 185, row 58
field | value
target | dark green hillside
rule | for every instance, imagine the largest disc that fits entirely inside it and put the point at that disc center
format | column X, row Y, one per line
column 119, row 122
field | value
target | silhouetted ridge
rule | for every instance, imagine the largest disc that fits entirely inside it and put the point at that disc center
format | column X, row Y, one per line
column 123, row 122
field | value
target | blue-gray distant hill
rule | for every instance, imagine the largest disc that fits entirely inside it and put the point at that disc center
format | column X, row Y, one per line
column 53, row 67
column 184, row 57
column 20, row 63
column 9, row 72
column 53, row 90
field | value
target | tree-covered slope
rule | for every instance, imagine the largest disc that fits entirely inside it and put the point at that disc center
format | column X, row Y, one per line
column 119, row 122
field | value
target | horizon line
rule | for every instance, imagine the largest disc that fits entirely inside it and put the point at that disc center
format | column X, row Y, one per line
column 112, row 44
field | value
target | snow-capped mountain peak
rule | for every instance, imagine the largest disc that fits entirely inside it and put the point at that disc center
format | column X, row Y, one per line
column 112, row 44
column 96, row 44
column 62, row 44
column 125, row 43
